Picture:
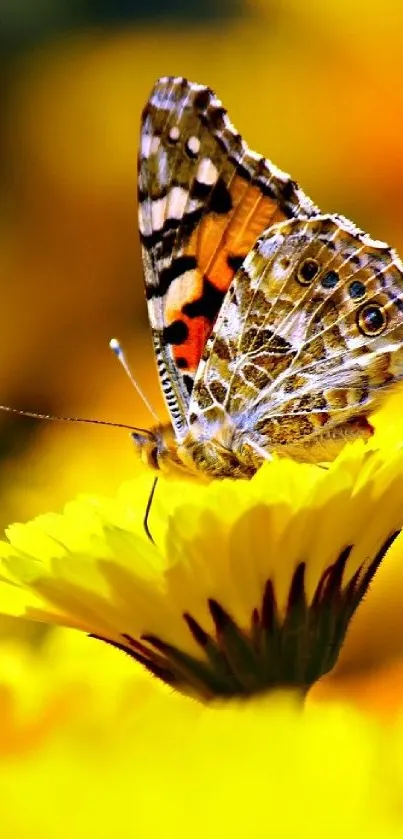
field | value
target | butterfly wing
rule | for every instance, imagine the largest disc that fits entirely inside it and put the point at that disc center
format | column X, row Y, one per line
column 309, row 337
column 204, row 197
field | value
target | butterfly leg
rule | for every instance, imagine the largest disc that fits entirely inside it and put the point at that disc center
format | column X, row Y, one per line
column 353, row 428
column 327, row 446
column 323, row 448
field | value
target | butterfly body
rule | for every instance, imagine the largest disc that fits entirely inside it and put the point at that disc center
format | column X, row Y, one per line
column 222, row 450
column 276, row 328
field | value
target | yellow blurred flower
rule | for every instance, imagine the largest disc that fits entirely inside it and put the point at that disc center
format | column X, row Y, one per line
column 253, row 768
column 68, row 680
column 248, row 584
column 92, row 746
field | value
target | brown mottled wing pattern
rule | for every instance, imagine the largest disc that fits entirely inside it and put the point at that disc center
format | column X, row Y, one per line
column 309, row 336
column 204, row 198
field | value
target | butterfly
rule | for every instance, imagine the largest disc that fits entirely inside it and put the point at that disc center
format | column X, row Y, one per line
column 276, row 328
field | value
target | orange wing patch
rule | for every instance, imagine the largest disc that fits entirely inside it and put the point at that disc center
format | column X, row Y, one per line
column 221, row 238
column 219, row 244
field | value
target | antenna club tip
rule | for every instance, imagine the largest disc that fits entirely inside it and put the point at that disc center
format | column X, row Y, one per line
column 115, row 346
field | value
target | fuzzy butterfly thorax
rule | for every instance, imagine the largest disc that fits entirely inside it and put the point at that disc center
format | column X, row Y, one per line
column 276, row 328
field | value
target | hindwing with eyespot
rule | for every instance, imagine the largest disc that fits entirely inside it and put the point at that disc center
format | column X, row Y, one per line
column 310, row 334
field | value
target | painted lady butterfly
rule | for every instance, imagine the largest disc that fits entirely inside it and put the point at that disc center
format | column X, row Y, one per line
column 276, row 328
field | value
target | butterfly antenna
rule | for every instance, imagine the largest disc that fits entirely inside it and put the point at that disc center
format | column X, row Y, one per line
column 55, row 418
column 117, row 350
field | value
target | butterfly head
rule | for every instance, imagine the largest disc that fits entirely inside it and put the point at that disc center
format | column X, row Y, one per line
column 158, row 448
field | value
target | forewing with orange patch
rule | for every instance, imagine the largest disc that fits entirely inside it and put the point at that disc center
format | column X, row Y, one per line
column 204, row 198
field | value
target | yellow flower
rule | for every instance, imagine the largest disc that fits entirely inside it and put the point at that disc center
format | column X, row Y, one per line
column 67, row 681
column 173, row 768
column 248, row 585
column 93, row 747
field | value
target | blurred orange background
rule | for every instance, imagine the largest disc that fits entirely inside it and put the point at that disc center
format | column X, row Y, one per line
column 316, row 87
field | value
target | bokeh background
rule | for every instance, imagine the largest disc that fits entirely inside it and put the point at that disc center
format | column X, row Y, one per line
column 317, row 87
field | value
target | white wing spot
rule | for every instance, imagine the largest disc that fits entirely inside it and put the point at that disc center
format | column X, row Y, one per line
column 193, row 145
column 174, row 134
column 207, row 173
column 266, row 248
column 177, row 202
column 145, row 225
column 164, row 168
column 158, row 212
column 146, row 145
